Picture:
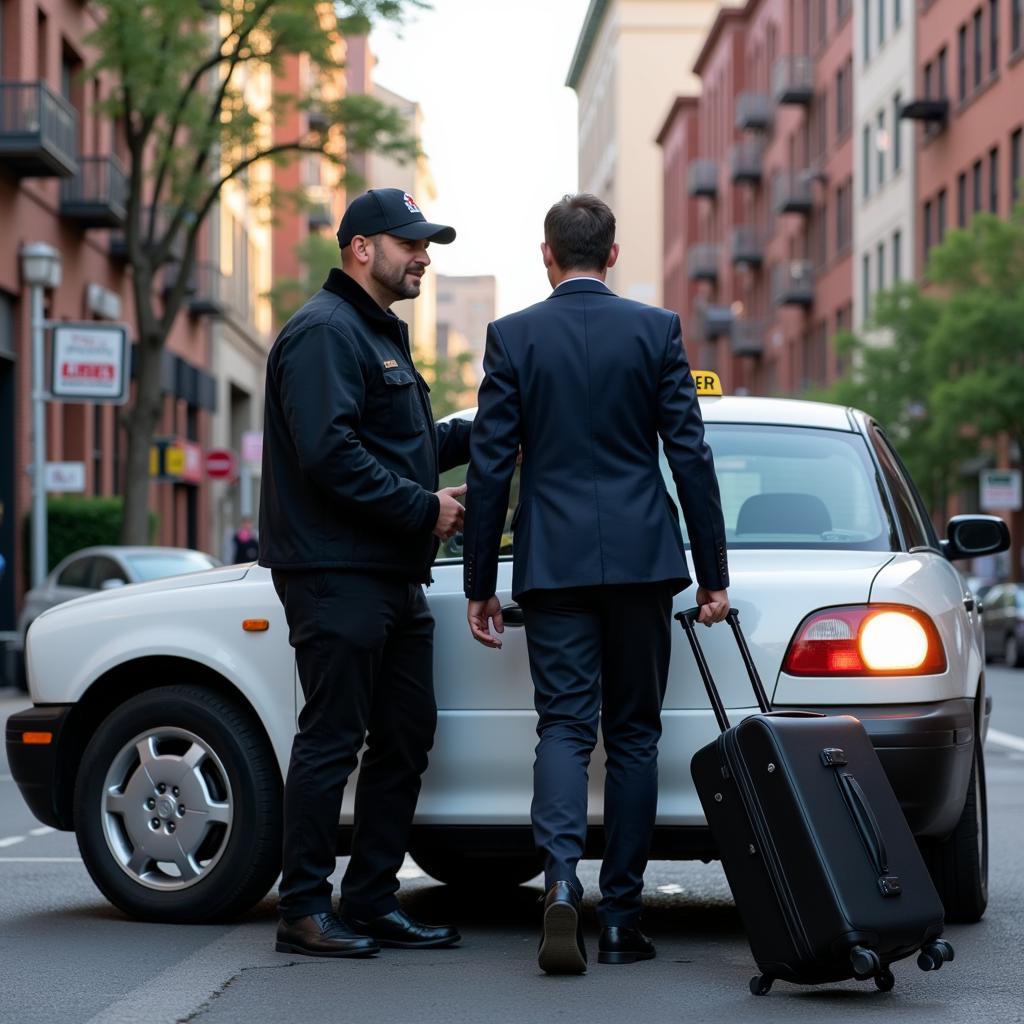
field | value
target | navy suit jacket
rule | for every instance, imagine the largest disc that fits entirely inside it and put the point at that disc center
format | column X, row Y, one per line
column 587, row 382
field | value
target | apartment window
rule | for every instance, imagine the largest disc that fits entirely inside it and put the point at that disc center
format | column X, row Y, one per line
column 897, row 257
column 897, row 135
column 993, row 180
column 897, row 13
column 993, row 36
column 961, row 200
column 941, row 74
column 865, row 279
column 976, row 174
column 940, row 216
column 929, row 81
column 880, row 148
column 976, row 39
column 866, row 162
column 867, row 32
column 1015, row 165
column 1016, row 24
column 842, row 117
column 927, row 226
column 880, row 268
column 961, row 55
column 881, row 22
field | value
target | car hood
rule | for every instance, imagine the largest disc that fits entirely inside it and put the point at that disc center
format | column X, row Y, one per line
column 205, row 578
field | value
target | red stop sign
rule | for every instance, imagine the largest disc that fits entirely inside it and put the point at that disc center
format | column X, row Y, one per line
column 220, row 463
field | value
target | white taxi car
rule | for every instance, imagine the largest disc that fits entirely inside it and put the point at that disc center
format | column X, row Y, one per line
column 163, row 712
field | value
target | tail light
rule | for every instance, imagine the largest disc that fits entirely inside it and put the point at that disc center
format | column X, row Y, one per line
column 866, row 640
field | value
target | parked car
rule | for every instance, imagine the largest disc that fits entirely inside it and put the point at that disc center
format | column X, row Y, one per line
column 1002, row 618
column 163, row 715
column 102, row 568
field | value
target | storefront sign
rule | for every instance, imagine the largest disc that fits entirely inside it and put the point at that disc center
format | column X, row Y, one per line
column 1000, row 490
column 252, row 448
column 175, row 461
column 90, row 363
column 65, row 477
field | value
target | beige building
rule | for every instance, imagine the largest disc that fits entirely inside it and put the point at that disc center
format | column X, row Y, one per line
column 632, row 59
column 414, row 177
column 465, row 306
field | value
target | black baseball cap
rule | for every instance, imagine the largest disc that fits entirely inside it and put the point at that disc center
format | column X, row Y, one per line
column 389, row 211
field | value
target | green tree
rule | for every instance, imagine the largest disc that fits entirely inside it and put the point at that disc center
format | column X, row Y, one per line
column 941, row 364
column 318, row 256
column 449, row 381
column 178, row 71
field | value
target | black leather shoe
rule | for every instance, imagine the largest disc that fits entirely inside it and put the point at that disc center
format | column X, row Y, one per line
column 398, row 930
column 322, row 935
column 623, row 946
column 561, row 943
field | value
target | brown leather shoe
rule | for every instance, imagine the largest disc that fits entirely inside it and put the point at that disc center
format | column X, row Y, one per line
column 322, row 935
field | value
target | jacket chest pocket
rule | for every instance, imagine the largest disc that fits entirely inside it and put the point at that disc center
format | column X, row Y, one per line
column 397, row 407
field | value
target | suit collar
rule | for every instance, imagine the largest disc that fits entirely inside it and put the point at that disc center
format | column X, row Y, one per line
column 576, row 285
column 352, row 292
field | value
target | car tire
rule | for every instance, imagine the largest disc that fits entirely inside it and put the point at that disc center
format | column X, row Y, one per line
column 468, row 870
column 959, row 863
column 147, row 761
column 1013, row 652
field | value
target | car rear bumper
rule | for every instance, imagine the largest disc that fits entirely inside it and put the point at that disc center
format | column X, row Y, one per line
column 926, row 750
column 35, row 766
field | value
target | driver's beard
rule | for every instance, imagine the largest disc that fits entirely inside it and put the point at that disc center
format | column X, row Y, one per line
column 392, row 277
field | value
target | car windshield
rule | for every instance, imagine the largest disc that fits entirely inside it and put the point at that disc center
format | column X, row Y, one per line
column 796, row 487
column 158, row 565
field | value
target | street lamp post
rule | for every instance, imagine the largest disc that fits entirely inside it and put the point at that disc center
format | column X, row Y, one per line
column 40, row 269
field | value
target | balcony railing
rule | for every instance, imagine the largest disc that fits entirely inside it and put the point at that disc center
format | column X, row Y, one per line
column 38, row 131
column 746, row 245
column 754, row 111
column 717, row 321
column 317, row 118
column 208, row 295
column 793, row 283
column 791, row 192
column 933, row 111
column 95, row 197
column 746, row 161
column 748, row 337
column 702, row 178
column 793, row 80
column 702, row 262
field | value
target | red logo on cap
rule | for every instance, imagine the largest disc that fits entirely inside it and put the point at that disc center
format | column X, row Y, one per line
column 410, row 203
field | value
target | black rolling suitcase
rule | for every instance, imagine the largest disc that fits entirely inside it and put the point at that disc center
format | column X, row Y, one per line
column 822, row 865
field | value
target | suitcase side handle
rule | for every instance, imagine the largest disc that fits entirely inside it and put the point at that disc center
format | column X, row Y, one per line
column 867, row 824
column 687, row 620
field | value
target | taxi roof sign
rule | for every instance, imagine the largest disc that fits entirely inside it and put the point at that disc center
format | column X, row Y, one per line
column 707, row 383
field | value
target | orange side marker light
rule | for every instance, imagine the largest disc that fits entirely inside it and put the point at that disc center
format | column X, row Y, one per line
column 40, row 739
column 255, row 625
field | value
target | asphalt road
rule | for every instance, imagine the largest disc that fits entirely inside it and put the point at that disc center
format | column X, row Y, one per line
column 67, row 957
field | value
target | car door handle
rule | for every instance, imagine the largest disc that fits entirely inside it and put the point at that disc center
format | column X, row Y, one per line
column 969, row 604
column 512, row 615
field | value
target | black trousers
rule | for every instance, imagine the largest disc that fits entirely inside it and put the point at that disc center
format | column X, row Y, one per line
column 364, row 652
column 598, row 652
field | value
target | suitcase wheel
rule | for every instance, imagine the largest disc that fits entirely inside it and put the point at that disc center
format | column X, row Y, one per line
column 761, row 984
column 934, row 955
column 865, row 962
column 884, row 980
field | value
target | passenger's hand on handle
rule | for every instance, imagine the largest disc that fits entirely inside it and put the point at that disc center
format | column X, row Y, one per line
column 714, row 605
column 451, row 513
column 478, row 614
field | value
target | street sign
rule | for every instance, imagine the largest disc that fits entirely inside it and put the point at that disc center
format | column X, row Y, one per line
column 173, row 460
column 220, row 463
column 252, row 448
column 1000, row 490
column 90, row 363
column 65, row 477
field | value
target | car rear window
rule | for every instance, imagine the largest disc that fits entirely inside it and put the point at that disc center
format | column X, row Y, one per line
column 796, row 487
column 156, row 567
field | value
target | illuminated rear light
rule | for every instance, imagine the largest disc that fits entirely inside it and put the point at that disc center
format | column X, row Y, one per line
column 40, row 739
column 866, row 640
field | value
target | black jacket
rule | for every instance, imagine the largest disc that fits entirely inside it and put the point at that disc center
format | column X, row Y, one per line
column 351, row 454
column 586, row 382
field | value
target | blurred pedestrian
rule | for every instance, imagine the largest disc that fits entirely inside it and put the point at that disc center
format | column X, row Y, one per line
column 246, row 543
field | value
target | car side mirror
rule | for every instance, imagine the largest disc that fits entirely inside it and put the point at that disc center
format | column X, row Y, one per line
column 111, row 584
column 973, row 536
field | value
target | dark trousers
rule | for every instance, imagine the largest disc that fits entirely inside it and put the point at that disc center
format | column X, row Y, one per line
column 364, row 652
column 598, row 652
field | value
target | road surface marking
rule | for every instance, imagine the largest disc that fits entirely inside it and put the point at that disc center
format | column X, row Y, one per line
column 671, row 889
column 11, row 840
column 40, row 860
column 1005, row 739
column 44, row 831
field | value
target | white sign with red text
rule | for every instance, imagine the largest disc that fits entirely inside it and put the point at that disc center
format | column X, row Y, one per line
column 90, row 363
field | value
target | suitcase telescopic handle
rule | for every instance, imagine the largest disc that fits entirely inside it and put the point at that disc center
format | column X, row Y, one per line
column 688, row 618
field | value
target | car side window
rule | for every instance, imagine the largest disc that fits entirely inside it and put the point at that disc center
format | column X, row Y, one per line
column 77, row 574
column 451, row 549
column 915, row 532
column 106, row 569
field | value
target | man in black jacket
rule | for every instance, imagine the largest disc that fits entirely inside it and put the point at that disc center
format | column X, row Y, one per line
column 586, row 383
column 350, row 521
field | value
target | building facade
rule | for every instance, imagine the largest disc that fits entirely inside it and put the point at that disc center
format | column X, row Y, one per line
column 632, row 58
column 466, row 304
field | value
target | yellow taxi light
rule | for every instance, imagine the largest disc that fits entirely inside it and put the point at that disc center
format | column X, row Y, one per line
column 707, row 383
column 255, row 625
column 39, row 739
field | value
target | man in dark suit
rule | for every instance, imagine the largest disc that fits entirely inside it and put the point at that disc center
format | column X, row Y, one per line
column 586, row 382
